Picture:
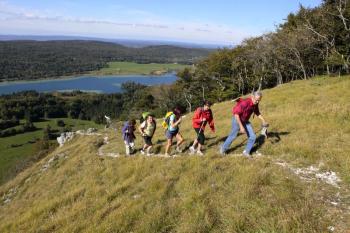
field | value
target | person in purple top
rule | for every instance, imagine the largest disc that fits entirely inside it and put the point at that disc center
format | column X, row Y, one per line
column 129, row 136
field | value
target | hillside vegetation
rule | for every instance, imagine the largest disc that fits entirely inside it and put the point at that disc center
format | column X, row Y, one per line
column 75, row 190
column 20, row 150
column 29, row 60
column 309, row 43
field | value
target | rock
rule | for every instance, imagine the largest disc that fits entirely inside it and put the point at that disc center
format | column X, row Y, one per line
column 80, row 132
column 88, row 132
column 313, row 173
column 7, row 200
column 91, row 130
column 7, row 197
column 65, row 137
column 113, row 155
column 52, row 159
column 105, row 140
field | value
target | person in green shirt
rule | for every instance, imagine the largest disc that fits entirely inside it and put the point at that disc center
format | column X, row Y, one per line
column 147, row 129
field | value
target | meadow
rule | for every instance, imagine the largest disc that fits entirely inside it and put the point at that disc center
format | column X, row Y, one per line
column 128, row 68
column 83, row 192
column 16, row 151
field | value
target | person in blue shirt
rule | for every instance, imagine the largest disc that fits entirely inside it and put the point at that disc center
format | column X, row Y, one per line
column 173, row 131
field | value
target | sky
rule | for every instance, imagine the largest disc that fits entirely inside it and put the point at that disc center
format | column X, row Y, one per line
column 225, row 22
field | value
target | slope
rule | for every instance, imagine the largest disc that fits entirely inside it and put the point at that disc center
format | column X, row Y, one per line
column 76, row 190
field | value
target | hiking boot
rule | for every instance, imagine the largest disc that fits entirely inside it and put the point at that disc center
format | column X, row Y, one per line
column 222, row 151
column 257, row 153
column 142, row 152
column 192, row 150
column 178, row 149
column 247, row 155
column 200, row 153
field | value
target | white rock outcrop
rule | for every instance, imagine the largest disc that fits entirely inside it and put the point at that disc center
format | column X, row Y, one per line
column 65, row 137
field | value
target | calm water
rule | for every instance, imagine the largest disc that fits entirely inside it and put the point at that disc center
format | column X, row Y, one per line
column 101, row 84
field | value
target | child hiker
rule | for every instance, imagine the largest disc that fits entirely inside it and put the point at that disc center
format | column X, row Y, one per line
column 202, row 116
column 129, row 136
column 147, row 129
column 173, row 131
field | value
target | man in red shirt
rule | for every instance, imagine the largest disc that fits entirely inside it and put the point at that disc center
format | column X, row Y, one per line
column 201, row 117
column 240, row 122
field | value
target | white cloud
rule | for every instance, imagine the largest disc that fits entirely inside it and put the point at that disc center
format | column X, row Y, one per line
column 18, row 20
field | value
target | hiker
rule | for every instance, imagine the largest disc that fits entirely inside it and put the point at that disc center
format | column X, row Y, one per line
column 129, row 136
column 147, row 129
column 240, row 122
column 173, row 120
column 108, row 122
column 202, row 116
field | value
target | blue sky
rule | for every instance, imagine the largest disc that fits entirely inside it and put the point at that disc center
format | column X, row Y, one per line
column 220, row 21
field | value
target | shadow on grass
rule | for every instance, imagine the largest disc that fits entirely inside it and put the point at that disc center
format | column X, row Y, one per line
column 273, row 137
column 24, row 132
column 160, row 141
column 40, row 120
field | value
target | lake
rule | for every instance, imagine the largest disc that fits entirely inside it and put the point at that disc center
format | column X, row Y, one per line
column 99, row 84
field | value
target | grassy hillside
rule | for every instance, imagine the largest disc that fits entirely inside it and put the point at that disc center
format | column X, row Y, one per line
column 83, row 192
column 116, row 68
column 16, row 151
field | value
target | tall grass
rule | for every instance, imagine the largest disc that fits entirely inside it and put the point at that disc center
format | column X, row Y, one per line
column 87, row 193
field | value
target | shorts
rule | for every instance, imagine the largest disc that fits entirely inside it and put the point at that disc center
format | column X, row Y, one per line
column 148, row 140
column 171, row 134
column 200, row 135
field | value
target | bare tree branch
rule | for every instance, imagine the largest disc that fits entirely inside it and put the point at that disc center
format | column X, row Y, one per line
column 341, row 8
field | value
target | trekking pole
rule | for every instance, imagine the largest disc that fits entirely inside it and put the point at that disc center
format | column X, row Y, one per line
column 200, row 129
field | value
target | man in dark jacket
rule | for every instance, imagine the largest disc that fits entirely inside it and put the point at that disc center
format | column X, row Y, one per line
column 240, row 122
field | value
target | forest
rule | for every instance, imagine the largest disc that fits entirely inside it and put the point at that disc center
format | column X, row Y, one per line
column 29, row 60
column 34, row 106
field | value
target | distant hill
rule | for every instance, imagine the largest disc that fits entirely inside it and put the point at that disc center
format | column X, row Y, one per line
column 300, row 183
column 44, row 59
column 124, row 42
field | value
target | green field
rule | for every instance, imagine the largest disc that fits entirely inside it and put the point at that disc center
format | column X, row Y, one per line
column 125, row 68
column 15, row 151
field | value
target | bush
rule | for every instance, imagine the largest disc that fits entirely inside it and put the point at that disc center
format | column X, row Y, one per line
column 28, row 127
column 4, row 124
column 60, row 123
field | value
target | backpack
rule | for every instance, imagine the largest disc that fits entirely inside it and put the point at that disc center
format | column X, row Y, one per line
column 166, row 120
column 125, row 127
column 144, row 116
